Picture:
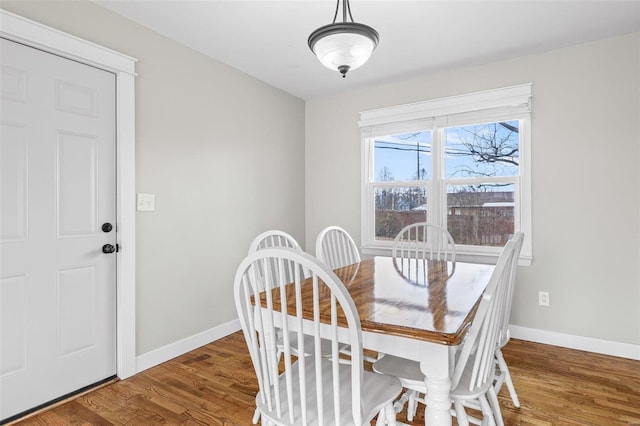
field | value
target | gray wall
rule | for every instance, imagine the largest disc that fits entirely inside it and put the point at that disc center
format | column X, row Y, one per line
column 222, row 152
column 586, row 178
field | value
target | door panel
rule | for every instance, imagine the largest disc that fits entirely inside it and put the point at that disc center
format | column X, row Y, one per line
column 76, row 175
column 13, row 183
column 13, row 325
column 76, row 318
column 57, row 288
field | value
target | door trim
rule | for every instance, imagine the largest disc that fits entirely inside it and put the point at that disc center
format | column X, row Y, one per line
column 16, row 28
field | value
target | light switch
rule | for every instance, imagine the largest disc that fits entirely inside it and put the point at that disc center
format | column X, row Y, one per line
column 146, row 202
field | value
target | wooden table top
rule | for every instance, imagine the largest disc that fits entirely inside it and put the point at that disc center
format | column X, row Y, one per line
column 439, row 310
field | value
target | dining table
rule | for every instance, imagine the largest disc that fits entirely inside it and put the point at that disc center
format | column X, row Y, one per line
column 416, row 309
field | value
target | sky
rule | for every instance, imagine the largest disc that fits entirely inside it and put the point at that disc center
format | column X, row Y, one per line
column 404, row 154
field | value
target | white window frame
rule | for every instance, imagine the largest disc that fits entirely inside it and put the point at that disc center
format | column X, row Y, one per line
column 503, row 104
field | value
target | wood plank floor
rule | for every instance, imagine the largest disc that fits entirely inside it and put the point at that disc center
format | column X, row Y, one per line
column 215, row 385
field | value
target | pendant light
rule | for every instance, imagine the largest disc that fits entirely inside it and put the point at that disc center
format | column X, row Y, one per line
column 345, row 45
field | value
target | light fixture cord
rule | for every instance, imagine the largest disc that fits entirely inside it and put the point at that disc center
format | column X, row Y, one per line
column 346, row 9
column 349, row 9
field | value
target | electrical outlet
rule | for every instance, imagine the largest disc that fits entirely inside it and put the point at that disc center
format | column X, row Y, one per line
column 543, row 298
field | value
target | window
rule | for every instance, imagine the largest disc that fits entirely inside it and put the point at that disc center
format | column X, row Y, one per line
column 459, row 162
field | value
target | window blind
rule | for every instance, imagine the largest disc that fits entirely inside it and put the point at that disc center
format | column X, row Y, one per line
column 487, row 106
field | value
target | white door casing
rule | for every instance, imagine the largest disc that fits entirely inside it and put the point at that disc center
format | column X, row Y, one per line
column 57, row 287
column 30, row 33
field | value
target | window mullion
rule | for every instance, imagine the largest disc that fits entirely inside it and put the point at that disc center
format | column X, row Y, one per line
column 367, row 224
column 437, row 201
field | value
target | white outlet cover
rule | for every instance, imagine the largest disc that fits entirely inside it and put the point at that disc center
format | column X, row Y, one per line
column 146, row 202
column 543, row 298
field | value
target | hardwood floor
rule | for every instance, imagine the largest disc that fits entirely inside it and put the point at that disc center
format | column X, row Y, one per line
column 216, row 385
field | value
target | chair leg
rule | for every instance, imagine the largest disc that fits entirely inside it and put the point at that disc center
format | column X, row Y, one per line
column 495, row 407
column 487, row 412
column 504, row 368
column 497, row 385
column 399, row 404
column 461, row 414
column 412, row 406
column 387, row 416
column 390, row 414
column 256, row 417
column 381, row 418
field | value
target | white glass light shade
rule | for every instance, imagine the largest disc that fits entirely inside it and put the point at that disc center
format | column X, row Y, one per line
column 344, row 49
column 343, row 46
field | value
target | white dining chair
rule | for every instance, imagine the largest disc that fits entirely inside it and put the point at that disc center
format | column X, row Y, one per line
column 308, row 390
column 418, row 249
column 273, row 238
column 503, row 374
column 474, row 372
column 276, row 238
column 424, row 242
column 336, row 248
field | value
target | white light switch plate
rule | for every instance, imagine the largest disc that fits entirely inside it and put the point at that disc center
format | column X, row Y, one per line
column 146, row 202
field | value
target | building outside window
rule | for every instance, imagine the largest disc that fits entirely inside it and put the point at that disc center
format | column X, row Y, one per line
column 461, row 163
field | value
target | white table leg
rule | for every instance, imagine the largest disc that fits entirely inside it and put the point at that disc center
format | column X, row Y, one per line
column 435, row 366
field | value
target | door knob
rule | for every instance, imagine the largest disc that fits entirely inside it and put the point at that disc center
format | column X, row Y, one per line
column 109, row 248
column 107, row 227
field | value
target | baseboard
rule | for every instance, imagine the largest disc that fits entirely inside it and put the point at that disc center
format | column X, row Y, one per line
column 589, row 344
column 170, row 351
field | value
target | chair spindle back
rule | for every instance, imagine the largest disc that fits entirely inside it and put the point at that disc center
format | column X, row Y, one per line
column 480, row 343
column 336, row 248
column 297, row 308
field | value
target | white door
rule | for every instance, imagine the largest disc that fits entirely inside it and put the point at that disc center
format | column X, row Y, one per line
column 57, row 188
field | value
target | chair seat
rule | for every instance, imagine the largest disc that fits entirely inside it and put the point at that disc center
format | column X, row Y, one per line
column 377, row 390
column 462, row 391
column 411, row 377
column 406, row 370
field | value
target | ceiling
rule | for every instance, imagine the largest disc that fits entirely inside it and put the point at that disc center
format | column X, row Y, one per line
column 268, row 39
